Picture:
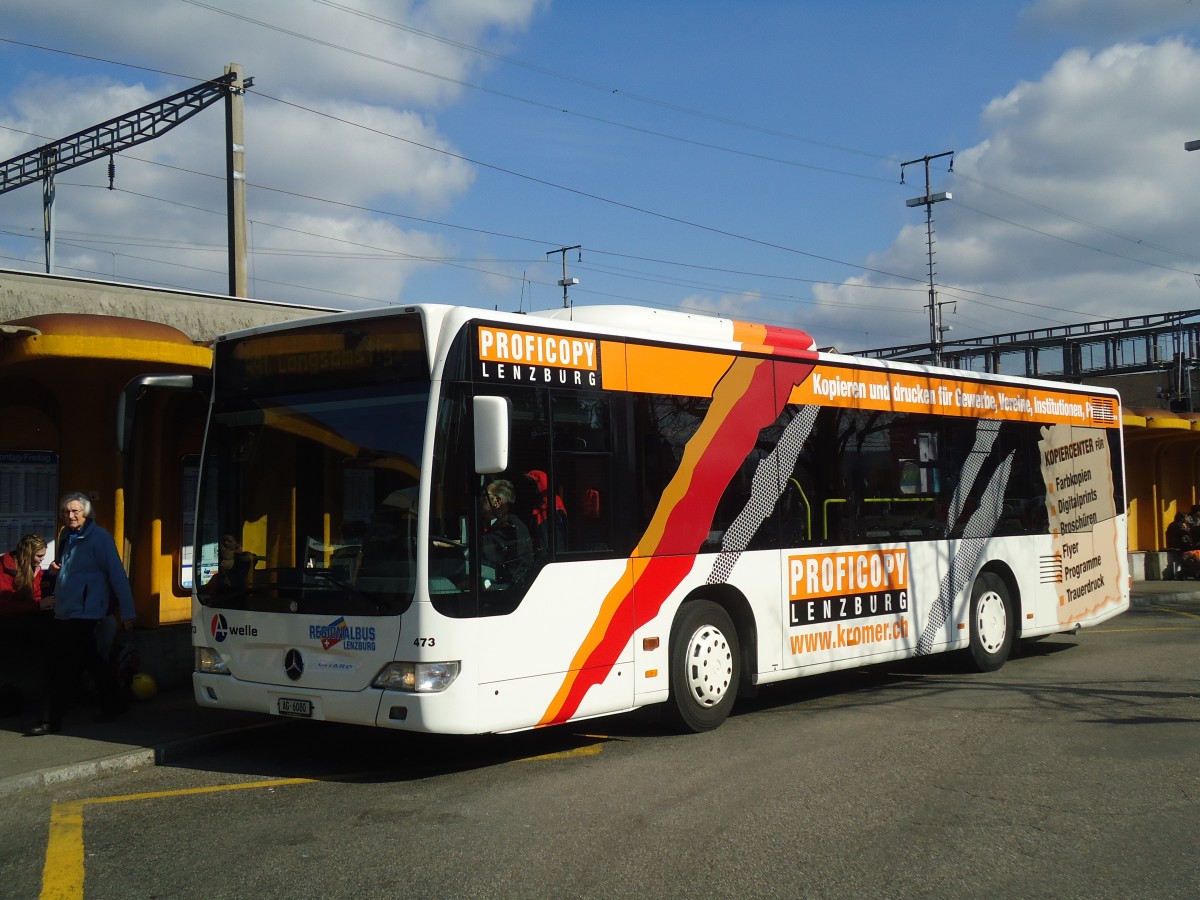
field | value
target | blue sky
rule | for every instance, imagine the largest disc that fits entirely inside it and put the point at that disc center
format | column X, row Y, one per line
column 738, row 159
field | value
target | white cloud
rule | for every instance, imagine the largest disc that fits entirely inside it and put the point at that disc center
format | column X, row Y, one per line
column 1101, row 136
column 393, row 157
column 291, row 47
column 1098, row 135
column 360, row 261
column 55, row 107
column 730, row 306
column 1110, row 20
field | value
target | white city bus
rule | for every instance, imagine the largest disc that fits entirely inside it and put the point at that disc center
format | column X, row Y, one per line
column 705, row 506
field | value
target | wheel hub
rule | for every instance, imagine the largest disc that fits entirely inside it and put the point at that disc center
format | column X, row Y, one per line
column 709, row 666
column 991, row 622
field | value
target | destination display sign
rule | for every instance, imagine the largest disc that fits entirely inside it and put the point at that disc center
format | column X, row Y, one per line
column 514, row 356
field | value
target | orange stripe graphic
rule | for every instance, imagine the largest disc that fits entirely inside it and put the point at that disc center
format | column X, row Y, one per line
column 744, row 401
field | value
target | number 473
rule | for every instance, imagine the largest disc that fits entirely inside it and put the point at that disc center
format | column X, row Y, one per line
column 424, row 642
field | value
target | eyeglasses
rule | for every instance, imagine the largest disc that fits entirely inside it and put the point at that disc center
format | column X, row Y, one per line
column 69, row 513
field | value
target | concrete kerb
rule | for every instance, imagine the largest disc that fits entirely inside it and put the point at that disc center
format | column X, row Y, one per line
column 128, row 760
column 93, row 768
column 1184, row 597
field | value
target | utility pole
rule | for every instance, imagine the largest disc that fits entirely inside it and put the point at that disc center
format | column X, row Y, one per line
column 129, row 130
column 1183, row 368
column 48, row 158
column 935, row 309
column 566, row 282
column 235, row 181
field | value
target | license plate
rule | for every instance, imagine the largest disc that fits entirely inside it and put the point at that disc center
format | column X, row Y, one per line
column 299, row 708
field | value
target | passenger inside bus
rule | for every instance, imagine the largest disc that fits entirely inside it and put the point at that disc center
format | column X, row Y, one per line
column 233, row 568
column 545, row 519
column 507, row 549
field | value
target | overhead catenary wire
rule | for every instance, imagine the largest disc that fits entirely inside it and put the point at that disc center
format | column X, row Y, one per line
column 901, row 277
column 542, row 241
column 664, row 104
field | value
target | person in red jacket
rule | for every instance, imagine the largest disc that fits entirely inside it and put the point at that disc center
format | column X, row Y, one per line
column 21, row 577
column 22, row 630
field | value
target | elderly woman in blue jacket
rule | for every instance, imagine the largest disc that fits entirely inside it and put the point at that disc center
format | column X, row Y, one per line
column 91, row 584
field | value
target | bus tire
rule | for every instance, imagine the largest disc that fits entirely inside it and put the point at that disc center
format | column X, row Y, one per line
column 993, row 622
column 705, row 666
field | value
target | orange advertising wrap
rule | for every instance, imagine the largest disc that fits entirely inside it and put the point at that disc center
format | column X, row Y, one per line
column 946, row 396
column 847, row 601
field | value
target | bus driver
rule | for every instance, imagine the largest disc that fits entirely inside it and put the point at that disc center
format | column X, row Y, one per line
column 507, row 548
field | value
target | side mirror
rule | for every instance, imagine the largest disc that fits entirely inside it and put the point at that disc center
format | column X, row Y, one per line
column 127, row 400
column 491, row 434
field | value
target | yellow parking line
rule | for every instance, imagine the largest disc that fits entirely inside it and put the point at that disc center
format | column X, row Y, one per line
column 208, row 789
column 1177, row 612
column 62, row 876
column 588, row 750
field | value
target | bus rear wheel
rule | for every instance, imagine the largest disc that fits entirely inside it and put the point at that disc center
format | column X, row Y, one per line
column 705, row 666
column 993, row 622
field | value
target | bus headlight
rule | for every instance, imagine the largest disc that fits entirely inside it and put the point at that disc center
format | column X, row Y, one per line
column 417, row 677
column 210, row 662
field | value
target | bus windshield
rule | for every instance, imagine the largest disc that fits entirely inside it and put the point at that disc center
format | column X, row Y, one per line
column 310, row 477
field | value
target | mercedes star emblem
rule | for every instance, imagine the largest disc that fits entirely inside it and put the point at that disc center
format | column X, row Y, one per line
column 293, row 665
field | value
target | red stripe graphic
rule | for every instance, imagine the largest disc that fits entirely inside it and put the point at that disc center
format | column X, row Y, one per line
column 744, row 402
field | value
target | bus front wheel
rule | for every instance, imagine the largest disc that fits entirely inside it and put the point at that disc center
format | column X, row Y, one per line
column 705, row 666
column 993, row 622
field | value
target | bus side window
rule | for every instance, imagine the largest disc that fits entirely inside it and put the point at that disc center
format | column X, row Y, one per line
column 544, row 512
column 796, row 518
column 662, row 427
column 739, row 502
column 818, row 507
column 587, row 503
column 581, row 496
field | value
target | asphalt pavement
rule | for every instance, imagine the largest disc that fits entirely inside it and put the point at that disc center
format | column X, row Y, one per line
column 170, row 726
